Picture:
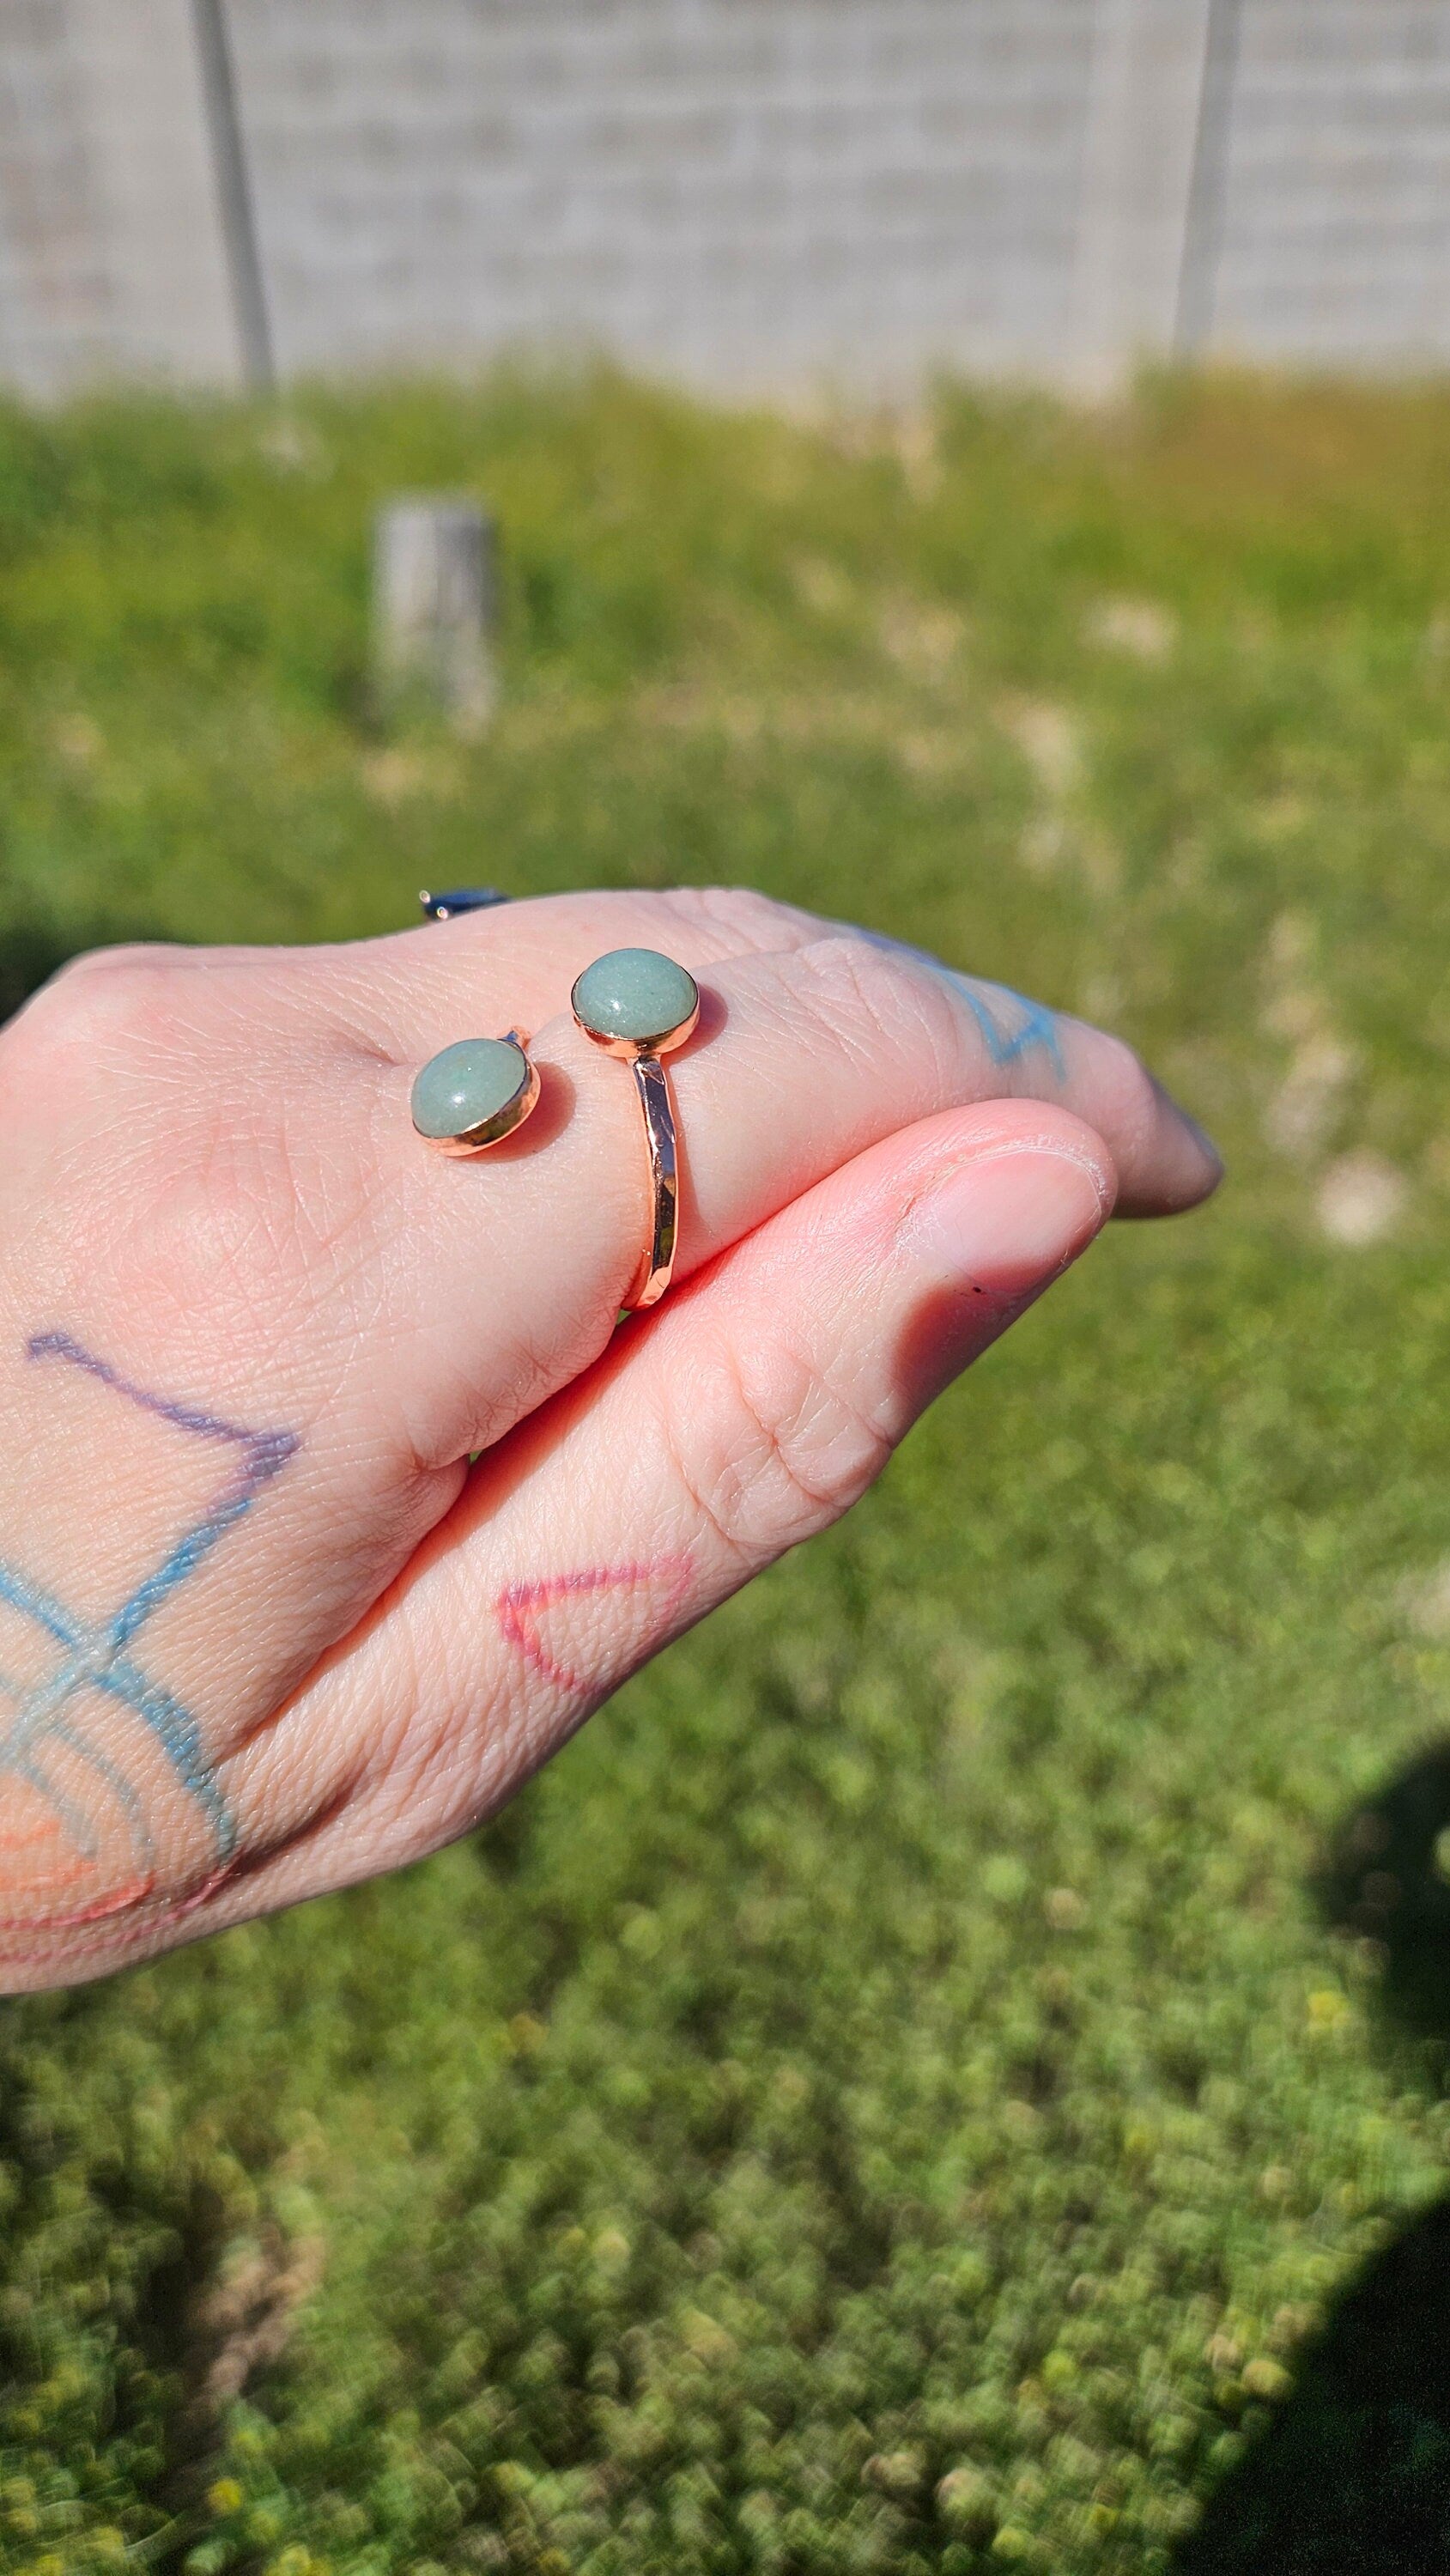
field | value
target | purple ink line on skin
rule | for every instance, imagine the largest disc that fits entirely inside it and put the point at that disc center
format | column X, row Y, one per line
column 266, row 1454
column 277, row 1445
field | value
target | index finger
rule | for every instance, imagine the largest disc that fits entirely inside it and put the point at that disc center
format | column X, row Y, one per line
column 519, row 962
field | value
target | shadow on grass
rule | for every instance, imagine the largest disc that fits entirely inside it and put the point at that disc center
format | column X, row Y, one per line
column 1352, row 2477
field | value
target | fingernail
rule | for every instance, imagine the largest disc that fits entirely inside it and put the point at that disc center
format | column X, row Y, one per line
column 1202, row 1140
column 1012, row 1025
column 1007, row 1222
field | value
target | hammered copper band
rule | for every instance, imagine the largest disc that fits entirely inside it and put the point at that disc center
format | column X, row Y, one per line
column 653, row 1085
column 637, row 1005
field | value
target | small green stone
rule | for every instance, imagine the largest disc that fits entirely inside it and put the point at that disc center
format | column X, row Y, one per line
column 634, row 993
column 468, row 1083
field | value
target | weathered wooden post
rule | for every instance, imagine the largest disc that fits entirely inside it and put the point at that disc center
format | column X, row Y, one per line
column 433, row 606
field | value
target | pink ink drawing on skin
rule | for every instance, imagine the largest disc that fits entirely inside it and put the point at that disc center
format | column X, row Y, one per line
column 521, row 1606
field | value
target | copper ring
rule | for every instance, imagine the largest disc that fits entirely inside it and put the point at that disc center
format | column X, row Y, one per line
column 643, row 1054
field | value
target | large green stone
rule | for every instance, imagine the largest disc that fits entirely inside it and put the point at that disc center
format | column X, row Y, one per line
column 468, row 1083
column 635, row 994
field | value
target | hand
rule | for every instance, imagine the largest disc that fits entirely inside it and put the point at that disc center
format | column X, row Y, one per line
column 263, row 1630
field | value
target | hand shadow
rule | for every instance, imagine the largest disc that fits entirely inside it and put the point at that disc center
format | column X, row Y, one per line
column 1352, row 2475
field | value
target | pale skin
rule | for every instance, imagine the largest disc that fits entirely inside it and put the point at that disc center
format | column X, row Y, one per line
column 335, row 1499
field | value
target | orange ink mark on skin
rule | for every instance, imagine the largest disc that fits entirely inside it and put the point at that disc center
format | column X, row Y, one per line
column 11, row 1841
column 43, row 1835
column 168, row 1909
column 35, row 1882
column 522, row 1605
column 119, row 1936
column 45, row 1881
column 99, row 1912
column 41, row 1879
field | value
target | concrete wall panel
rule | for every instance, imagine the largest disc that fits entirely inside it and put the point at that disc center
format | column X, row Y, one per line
column 754, row 195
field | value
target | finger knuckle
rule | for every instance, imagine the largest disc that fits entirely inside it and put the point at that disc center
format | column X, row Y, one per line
column 131, row 964
column 98, row 1005
column 62, row 1056
column 860, row 996
column 1126, row 1092
column 771, row 1450
column 750, row 922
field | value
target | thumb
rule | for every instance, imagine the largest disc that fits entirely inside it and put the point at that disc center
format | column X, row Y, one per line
column 811, row 1353
column 748, row 1413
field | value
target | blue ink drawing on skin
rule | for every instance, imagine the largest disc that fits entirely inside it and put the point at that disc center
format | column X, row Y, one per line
column 95, row 1656
column 1038, row 1028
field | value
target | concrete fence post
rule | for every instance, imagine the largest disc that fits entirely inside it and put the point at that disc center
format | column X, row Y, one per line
column 234, row 191
column 1141, row 153
column 143, row 152
column 434, row 606
column 1208, row 196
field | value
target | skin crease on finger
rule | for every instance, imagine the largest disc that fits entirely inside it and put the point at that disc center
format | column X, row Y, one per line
column 121, row 1657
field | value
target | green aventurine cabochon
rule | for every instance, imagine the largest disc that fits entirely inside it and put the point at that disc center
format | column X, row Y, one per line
column 634, row 993
column 468, row 1083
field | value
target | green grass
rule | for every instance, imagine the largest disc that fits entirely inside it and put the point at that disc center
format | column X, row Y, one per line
column 885, row 2099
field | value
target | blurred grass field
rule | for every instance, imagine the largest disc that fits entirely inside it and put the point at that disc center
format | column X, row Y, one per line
column 886, row 2099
